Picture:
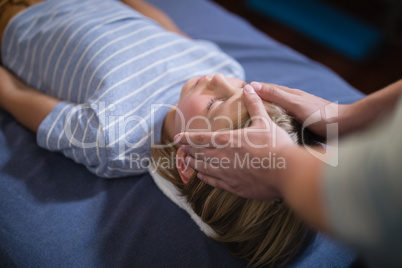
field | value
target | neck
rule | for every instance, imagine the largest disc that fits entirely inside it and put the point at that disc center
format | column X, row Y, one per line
column 168, row 126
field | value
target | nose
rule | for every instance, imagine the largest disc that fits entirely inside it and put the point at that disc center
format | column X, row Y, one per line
column 219, row 83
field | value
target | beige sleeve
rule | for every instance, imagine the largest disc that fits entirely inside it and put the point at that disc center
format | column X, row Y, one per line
column 363, row 194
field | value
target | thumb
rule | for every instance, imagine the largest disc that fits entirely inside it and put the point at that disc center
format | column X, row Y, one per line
column 255, row 108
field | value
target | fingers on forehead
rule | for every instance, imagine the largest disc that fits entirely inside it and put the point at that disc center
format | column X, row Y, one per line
column 256, row 109
column 290, row 90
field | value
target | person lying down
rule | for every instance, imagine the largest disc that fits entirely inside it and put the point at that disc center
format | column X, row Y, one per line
column 105, row 85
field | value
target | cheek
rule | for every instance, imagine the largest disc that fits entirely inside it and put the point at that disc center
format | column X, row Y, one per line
column 191, row 114
column 187, row 87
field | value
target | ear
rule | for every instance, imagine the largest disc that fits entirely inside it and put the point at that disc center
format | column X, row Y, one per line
column 185, row 171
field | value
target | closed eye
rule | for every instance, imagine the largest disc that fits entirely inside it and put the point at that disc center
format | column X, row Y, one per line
column 211, row 102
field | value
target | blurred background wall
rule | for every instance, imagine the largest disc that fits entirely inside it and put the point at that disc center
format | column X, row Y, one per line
column 368, row 73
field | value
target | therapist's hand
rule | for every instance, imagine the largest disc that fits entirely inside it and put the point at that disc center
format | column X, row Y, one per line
column 240, row 161
column 303, row 106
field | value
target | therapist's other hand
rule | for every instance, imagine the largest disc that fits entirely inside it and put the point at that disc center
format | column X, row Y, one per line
column 302, row 105
column 218, row 156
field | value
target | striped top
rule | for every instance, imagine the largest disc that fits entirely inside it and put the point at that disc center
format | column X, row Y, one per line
column 117, row 72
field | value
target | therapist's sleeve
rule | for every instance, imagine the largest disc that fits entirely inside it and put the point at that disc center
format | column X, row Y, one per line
column 363, row 194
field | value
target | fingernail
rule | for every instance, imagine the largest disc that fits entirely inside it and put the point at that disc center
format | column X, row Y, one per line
column 256, row 86
column 183, row 147
column 176, row 138
column 199, row 175
column 249, row 89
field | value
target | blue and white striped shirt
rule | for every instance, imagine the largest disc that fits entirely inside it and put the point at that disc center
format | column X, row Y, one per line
column 113, row 68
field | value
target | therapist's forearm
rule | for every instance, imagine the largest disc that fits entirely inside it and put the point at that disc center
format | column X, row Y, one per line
column 300, row 186
column 368, row 110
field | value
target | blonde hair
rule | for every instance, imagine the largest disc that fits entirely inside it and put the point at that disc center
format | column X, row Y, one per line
column 266, row 233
